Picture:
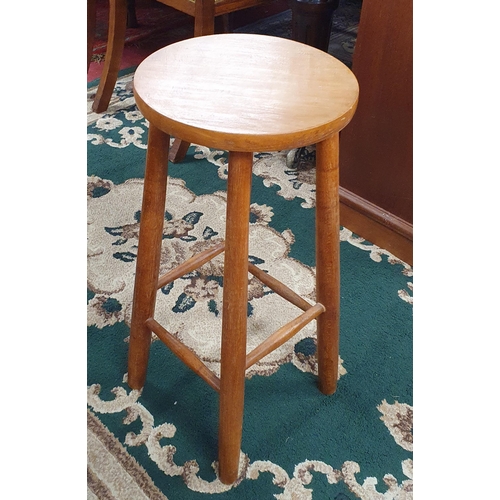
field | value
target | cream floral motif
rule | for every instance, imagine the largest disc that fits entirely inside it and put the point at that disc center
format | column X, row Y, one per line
column 376, row 254
column 129, row 135
column 216, row 157
column 295, row 183
column 299, row 183
column 398, row 418
column 272, row 166
column 292, row 183
column 112, row 299
column 192, row 224
column 294, row 488
column 122, row 99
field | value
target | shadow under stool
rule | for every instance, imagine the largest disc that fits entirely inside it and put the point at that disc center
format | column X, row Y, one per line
column 244, row 94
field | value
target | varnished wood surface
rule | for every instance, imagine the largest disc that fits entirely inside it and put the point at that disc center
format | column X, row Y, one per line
column 148, row 255
column 376, row 225
column 376, row 156
column 328, row 261
column 244, row 92
column 380, row 234
column 178, row 150
column 190, row 264
column 234, row 315
column 279, row 288
column 221, row 7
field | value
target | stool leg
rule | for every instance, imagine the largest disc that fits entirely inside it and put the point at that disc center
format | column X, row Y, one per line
column 234, row 315
column 328, row 260
column 148, row 254
column 178, row 150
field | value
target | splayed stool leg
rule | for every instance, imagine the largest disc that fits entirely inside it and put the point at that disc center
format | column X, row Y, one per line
column 148, row 255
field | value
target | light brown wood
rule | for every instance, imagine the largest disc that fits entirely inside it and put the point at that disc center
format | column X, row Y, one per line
column 191, row 264
column 328, row 261
column 234, row 315
column 178, row 150
column 242, row 92
column 286, row 332
column 148, row 255
column 280, row 288
column 114, row 51
column 188, row 357
column 235, row 92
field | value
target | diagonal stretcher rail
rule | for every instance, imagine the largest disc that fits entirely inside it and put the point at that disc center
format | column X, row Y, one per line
column 283, row 334
column 278, row 287
column 190, row 264
column 279, row 337
column 185, row 354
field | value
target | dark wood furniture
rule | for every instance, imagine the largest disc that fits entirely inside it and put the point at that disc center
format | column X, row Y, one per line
column 204, row 13
column 312, row 21
column 376, row 159
column 267, row 111
column 91, row 23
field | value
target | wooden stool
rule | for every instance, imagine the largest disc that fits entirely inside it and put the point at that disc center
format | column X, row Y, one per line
column 242, row 93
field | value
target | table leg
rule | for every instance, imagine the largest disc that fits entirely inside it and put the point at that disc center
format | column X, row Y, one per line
column 312, row 21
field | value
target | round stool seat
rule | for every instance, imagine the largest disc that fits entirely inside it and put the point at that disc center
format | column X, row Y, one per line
column 245, row 92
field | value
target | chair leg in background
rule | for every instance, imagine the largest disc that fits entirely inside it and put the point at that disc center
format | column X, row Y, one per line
column 178, row 150
column 114, row 52
column 131, row 15
column 204, row 17
column 91, row 25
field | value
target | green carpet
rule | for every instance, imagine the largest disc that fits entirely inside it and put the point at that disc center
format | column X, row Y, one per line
column 297, row 443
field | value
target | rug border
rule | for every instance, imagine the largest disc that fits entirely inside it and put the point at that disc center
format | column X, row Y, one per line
column 130, row 465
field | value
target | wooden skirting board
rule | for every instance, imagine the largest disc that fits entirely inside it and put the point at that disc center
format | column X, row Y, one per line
column 376, row 225
column 376, row 152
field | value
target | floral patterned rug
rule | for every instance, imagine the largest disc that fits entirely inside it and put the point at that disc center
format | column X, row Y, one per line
column 161, row 442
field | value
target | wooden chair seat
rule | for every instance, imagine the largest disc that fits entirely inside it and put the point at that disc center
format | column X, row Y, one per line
column 242, row 93
column 220, row 6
